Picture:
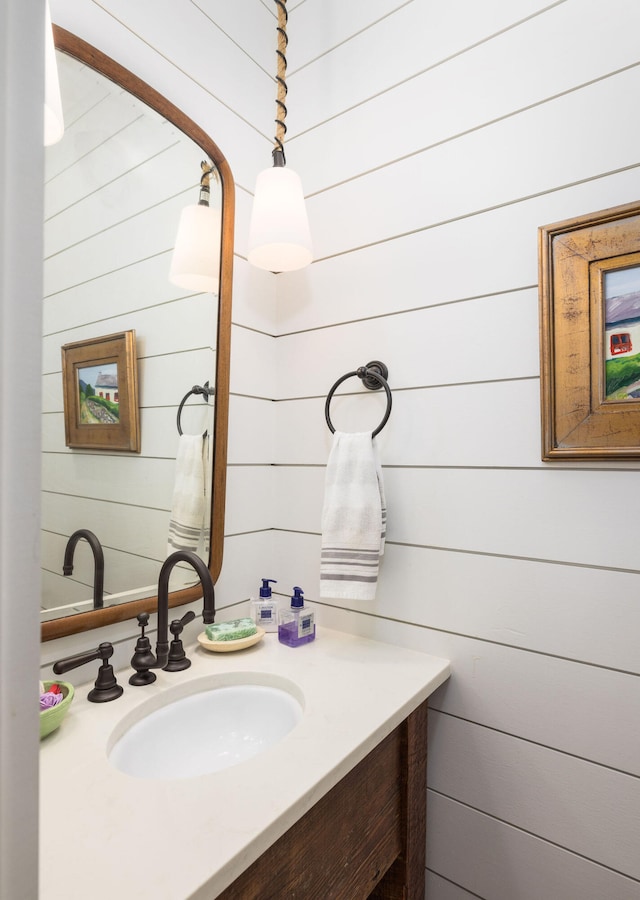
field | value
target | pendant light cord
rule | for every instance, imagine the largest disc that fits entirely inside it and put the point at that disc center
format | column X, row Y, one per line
column 279, row 237
column 207, row 170
column 281, row 108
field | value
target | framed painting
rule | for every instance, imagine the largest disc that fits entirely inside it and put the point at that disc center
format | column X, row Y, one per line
column 100, row 391
column 590, row 335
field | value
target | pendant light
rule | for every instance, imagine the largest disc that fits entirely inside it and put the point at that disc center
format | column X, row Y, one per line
column 195, row 264
column 279, row 237
column 53, row 119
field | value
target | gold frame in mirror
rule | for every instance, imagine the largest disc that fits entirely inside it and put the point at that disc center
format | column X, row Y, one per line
column 90, row 56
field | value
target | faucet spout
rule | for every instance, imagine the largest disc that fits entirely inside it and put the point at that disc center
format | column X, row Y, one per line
column 209, row 608
column 98, row 562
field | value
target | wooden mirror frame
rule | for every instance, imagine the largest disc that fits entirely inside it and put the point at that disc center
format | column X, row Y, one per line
column 85, row 53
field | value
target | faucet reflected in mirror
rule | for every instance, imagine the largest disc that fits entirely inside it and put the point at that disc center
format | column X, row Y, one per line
column 98, row 562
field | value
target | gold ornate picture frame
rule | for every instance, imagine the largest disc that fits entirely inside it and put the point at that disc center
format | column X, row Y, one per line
column 100, row 390
column 589, row 270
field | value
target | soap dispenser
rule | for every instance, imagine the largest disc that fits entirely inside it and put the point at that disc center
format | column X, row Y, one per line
column 297, row 625
column 264, row 610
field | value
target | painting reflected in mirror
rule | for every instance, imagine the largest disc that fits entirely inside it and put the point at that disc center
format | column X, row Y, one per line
column 115, row 186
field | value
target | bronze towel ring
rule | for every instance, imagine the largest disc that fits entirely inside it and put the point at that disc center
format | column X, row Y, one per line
column 373, row 376
column 196, row 389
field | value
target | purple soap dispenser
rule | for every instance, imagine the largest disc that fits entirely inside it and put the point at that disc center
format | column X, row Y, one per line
column 296, row 625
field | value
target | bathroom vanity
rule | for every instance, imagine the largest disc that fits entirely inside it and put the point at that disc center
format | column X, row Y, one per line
column 335, row 809
column 365, row 838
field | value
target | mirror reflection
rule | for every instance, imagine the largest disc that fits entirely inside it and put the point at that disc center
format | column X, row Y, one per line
column 115, row 187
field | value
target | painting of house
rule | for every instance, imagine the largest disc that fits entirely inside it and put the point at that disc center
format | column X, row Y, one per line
column 98, row 394
column 106, row 385
column 621, row 291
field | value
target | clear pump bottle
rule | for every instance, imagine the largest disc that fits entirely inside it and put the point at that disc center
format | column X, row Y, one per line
column 264, row 610
column 297, row 625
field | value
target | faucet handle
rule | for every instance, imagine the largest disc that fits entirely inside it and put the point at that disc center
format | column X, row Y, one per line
column 106, row 686
column 177, row 657
column 178, row 624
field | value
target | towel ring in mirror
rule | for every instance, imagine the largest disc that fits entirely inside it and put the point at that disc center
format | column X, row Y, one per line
column 196, row 389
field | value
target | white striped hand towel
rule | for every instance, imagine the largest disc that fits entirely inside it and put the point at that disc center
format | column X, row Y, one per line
column 187, row 507
column 354, row 518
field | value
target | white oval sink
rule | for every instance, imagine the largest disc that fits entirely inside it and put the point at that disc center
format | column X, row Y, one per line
column 206, row 731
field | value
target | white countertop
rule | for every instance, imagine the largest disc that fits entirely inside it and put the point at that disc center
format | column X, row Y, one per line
column 104, row 834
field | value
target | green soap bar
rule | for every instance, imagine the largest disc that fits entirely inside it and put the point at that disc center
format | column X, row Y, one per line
column 231, row 631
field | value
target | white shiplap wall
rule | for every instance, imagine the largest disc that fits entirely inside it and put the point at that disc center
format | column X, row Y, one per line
column 438, row 138
column 433, row 140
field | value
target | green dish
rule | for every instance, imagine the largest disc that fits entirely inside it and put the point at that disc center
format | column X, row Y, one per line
column 50, row 719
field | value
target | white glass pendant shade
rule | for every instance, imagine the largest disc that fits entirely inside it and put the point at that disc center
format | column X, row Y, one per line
column 195, row 264
column 279, row 236
column 53, row 119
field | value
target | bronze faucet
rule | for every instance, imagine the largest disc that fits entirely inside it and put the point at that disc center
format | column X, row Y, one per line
column 209, row 608
column 98, row 562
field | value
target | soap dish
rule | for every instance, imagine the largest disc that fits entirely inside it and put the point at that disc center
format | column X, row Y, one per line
column 51, row 718
column 226, row 646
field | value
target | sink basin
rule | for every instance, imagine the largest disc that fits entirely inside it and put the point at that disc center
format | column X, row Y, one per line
column 205, row 731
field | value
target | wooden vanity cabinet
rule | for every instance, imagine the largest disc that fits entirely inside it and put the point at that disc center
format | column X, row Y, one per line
column 365, row 838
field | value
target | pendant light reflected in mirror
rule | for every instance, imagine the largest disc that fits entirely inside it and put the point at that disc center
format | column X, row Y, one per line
column 53, row 119
column 279, row 236
column 195, row 264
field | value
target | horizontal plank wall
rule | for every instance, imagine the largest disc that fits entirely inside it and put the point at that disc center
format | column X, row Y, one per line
column 432, row 141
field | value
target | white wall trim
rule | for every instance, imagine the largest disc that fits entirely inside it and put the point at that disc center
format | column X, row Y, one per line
column 21, row 155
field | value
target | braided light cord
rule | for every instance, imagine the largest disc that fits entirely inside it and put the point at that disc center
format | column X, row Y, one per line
column 207, row 170
column 281, row 52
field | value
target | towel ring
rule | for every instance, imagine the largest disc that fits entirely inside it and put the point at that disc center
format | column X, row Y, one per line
column 196, row 389
column 373, row 376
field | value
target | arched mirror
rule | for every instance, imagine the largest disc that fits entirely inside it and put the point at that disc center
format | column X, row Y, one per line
column 114, row 190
